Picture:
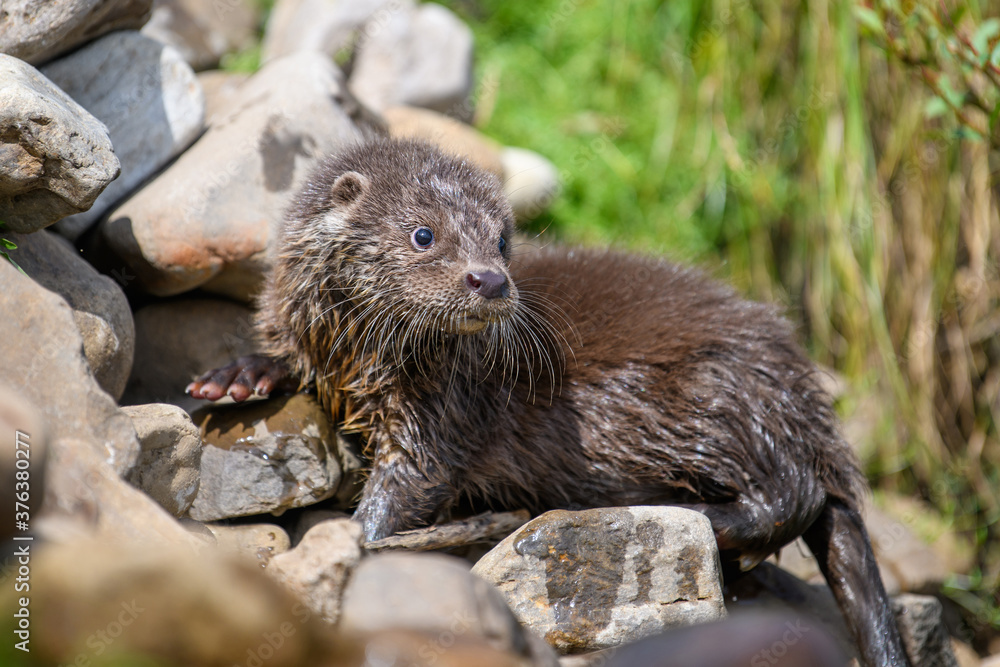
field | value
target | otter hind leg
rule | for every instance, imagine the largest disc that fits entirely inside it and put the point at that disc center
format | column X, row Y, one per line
column 840, row 543
column 241, row 379
column 748, row 531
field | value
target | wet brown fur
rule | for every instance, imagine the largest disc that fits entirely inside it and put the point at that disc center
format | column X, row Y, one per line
column 602, row 379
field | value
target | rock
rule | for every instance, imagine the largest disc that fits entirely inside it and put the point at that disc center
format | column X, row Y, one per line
column 599, row 578
column 204, row 31
column 753, row 639
column 170, row 460
column 54, row 375
column 262, row 541
column 965, row 655
column 178, row 340
column 311, row 517
column 434, row 594
column 94, row 603
column 147, row 97
column 265, row 456
column 922, row 629
column 220, row 88
column 100, row 309
column 85, row 490
column 206, row 220
column 22, row 460
column 450, row 135
column 768, row 588
column 530, row 182
column 418, row 56
column 771, row 588
column 327, row 26
column 55, row 158
column 38, row 31
column 317, row 569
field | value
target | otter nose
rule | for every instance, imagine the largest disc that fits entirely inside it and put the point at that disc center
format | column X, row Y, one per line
column 487, row 284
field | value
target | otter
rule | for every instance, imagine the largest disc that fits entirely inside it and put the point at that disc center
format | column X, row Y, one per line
column 549, row 377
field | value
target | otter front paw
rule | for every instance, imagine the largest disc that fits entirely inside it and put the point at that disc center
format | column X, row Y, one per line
column 254, row 374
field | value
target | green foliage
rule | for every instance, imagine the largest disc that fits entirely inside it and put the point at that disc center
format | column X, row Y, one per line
column 9, row 245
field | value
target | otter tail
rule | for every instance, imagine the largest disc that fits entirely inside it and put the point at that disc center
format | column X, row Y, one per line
column 840, row 543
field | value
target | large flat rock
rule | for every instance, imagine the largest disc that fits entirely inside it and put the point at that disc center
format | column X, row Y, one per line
column 599, row 578
column 55, row 157
column 265, row 456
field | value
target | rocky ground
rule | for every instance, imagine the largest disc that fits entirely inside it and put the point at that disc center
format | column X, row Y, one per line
column 140, row 188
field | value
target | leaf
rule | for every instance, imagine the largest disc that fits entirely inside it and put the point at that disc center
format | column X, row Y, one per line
column 985, row 33
column 10, row 245
column 870, row 19
column 935, row 107
column 952, row 96
column 995, row 55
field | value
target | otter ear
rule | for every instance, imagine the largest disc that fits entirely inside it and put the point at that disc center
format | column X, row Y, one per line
column 349, row 187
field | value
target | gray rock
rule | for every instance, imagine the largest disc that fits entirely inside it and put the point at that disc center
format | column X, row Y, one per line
column 25, row 453
column 38, row 31
column 55, row 158
column 88, row 492
column 100, row 309
column 170, row 460
column 262, row 541
column 771, row 589
column 327, row 26
column 265, row 456
column 918, row 617
column 47, row 367
column 924, row 635
column 419, row 57
column 318, row 568
column 147, row 97
column 530, row 182
column 204, row 31
column 437, row 595
column 178, row 340
column 206, row 220
column 599, row 578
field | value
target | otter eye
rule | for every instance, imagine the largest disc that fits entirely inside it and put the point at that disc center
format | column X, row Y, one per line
column 422, row 238
column 502, row 245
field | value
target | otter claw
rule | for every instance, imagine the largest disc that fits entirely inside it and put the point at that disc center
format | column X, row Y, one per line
column 245, row 377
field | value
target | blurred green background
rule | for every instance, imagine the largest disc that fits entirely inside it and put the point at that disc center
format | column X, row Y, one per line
column 838, row 158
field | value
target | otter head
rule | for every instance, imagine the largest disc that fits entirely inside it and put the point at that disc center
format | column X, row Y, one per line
column 420, row 240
